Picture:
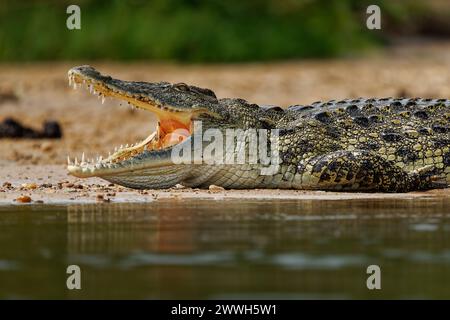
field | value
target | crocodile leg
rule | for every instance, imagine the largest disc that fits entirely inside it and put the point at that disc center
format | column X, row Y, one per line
column 361, row 171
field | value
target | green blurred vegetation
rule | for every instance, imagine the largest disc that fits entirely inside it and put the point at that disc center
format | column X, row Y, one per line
column 191, row 30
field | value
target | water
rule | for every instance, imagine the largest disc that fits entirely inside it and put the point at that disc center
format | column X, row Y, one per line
column 227, row 249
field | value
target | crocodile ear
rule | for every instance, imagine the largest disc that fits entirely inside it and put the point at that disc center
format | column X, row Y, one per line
column 205, row 91
column 267, row 108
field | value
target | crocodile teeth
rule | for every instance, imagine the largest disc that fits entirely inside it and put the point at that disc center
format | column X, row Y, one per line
column 103, row 99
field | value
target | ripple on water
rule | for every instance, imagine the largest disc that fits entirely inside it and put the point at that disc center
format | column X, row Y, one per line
column 323, row 262
column 424, row 227
column 7, row 265
column 224, row 259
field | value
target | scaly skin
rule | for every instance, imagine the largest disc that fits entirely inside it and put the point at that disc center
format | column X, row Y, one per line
column 386, row 145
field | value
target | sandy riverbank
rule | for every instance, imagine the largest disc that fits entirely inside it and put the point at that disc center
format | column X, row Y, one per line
column 51, row 184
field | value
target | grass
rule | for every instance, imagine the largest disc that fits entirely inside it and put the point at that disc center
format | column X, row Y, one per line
column 187, row 31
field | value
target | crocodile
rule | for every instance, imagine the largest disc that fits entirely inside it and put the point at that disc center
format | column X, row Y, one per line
column 363, row 144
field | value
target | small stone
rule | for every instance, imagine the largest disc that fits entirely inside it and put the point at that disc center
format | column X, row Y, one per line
column 101, row 198
column 214, row 188
column 29, row 186
column 179, row 186
column 46, row 146
column 23, row 199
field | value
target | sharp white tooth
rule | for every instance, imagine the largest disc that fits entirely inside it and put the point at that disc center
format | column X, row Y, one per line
column 103, row 99
column 121, row 146
column 115, row 149
column 82, row 158
column 68, row 160
column 76, row 161
column 126, row 145
column 100, row 158
column 109, row 154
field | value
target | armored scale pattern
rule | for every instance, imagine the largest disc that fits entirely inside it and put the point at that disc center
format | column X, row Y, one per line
column 387, row 145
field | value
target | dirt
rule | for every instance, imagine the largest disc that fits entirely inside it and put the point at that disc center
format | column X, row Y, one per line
column 33, row 93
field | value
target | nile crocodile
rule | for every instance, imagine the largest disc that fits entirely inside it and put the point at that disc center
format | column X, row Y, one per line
column 385, row 145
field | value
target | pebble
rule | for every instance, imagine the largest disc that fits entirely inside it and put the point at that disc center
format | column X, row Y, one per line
column 46, row 146
column 214, row 188
column 7, row 184
column 101, row 198
column 29, row 186
column 23, row 199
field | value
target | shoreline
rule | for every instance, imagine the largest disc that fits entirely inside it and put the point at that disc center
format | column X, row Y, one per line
column 50, row 184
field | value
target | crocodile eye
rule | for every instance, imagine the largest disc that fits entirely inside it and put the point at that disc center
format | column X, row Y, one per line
column 181, row 86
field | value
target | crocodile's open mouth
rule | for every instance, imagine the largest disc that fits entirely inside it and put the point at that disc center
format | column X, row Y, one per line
column 173, row 127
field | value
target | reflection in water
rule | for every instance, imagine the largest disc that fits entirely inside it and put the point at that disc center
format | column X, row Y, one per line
column 229, row 249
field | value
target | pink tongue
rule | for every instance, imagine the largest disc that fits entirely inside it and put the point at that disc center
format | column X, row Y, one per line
column 174, row 137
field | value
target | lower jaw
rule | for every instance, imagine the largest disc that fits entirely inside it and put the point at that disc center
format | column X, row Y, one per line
column 127, row 159
column 151, row 178
column 131, row 166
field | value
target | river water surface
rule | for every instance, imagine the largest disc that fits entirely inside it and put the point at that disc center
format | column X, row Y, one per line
column 188, row 249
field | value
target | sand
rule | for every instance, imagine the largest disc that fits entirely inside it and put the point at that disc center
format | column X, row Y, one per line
column 32, row 93
column 50, row 184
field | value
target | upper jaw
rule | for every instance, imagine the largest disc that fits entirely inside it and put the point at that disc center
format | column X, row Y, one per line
column 138, row 94
column 157, row 97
